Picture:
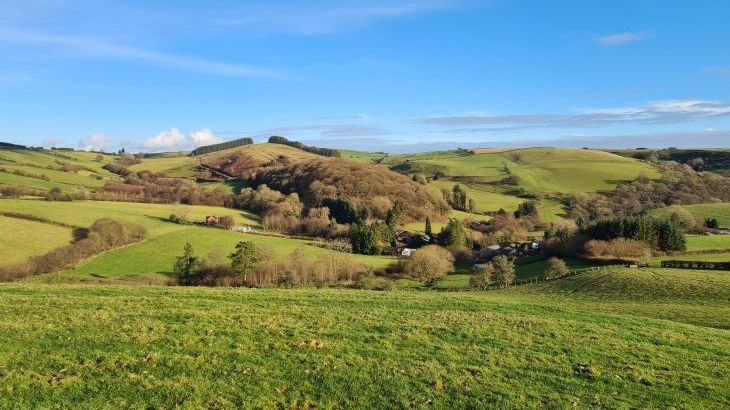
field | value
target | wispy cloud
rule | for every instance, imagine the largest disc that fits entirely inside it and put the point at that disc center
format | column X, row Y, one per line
column 621, row 38
column 327, row 18
column 722, row 70
column 658, row 112
column 88, row 47
column 327, row 130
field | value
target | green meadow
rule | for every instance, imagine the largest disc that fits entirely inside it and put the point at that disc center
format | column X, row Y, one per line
column 153, row 258
column 720, row 211
column 41, row 169
column 21, row 239
column 615, row 339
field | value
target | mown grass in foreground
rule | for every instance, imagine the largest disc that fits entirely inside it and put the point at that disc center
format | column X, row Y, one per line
column 84, row 346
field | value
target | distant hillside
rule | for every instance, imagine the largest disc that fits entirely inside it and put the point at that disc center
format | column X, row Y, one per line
column 45, row 169
column 364, row 185
column 716, row 160
column 504, row 178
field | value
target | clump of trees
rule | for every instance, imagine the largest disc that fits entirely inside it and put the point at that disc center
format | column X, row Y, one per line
column 619, row 248
column 458, row 199
column 325, row 152
column 428, row 263
column 370, row 190
column 370, row 237
column 712, row 223
column 679, row 185
column 104, row 234
column 665, row 234
column 222, row 146
column 253, row 265
column 499, row 272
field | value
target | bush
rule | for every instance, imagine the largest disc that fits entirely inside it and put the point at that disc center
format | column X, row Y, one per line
column 429, row 263
column 287, row 279
column 502, row 271
column 225, row 222
column 555, row 268
column 618, row 248
column 482, row 278
column 186, row 265
column 370, row 238
column 453, row 235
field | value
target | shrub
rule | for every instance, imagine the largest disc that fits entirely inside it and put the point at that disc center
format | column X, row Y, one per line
column 618, row 248
column 178, row 219
column 712, row 223
column 555, row 268
column 429, row 263
column 287, row 279
column 245, row 258
column 225, row 222
column 503, row 271
column 370, row 238
column 528, row 208
column 453, row 235
column 186, row 265
column 482, row 278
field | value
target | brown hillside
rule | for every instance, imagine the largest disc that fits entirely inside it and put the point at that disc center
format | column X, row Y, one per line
column 365, row 185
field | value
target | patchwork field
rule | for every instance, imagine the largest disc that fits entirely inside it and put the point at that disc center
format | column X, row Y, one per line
column 489, row 175
column 43, row 169
column 21, row 239
column 619, row 339
column 154, row 257
column 721, row 212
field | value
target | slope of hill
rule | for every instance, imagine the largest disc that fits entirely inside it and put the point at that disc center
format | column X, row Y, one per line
column 45, row 169
column 342, row 348
column 498, row 178
column 154, row 257
column 184, row 165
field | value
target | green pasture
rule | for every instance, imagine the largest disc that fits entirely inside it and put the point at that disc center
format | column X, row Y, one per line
column 719, row 211
column 21, row 238
column 616, row 339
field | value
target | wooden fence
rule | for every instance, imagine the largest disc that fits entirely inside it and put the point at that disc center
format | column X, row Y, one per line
column 696, row 265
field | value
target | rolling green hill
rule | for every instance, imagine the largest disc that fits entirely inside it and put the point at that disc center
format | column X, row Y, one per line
column 68, row 170
column 496, row 178
column 615, row 340
column 154, row 257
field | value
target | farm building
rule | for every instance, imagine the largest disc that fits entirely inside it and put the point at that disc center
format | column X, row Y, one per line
column 211, row 220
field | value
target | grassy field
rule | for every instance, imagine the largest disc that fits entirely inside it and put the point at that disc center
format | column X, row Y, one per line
column 42, row 169
column 544, row 171
column 721, row 212
column 704, row 242
column 155, row 256
column 21, row 238
column 616, row 339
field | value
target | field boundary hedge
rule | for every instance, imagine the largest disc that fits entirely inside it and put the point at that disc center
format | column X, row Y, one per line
column 701, row 265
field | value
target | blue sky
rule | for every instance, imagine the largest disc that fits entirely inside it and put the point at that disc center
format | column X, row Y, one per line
column 377, row 75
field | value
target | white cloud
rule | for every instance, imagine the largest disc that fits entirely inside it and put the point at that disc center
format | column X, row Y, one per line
column 169, row 139
column 620, row 38
column 51, row 142
column 656, row 112
column 96, row 142
column 204, row 137
column 91, row 47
